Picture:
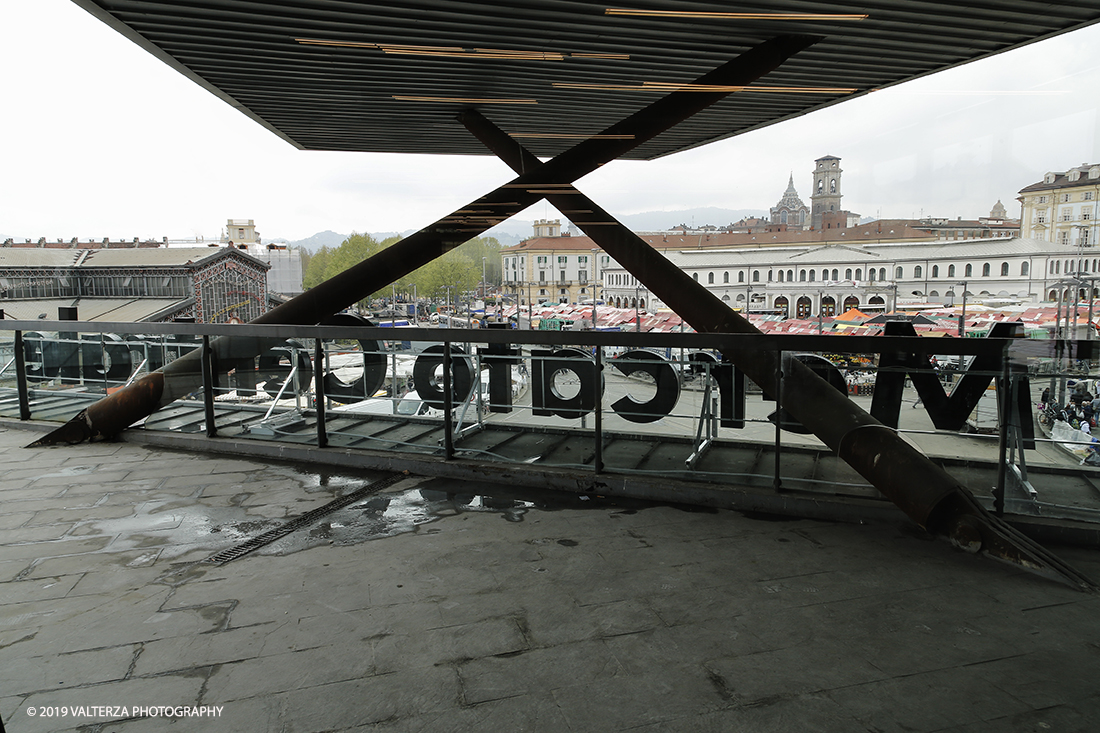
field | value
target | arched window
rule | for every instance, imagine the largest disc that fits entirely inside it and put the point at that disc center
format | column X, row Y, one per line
column 897, row 273
column 1024, row 269
column 969, row 271
column 695, row 276
column 870, row 274
column 832, row 186
column 740, row 277
column 801, row 276
column 951, row 271
column 725, row 277
column 812, row 273
column 710, row 278
column 770, row 274
column 985, row 270
column 918, row 271
column 836, row 275
column 882, row 273
column 780, row 276
column 1004, row 269
column 783, row 217
column 1057, row 267
column 756, row 276
column 848, row 274
column 859, row 273
column 935, row 270
column 790, row 275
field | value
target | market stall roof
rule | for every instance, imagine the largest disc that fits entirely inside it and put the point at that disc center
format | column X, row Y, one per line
column 391, row 77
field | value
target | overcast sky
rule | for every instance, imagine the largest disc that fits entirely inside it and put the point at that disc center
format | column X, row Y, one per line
column 100, row 139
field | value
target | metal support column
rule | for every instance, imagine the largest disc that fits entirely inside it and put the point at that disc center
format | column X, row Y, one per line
column 207, row 359
column 21, row 378
column 319, row 392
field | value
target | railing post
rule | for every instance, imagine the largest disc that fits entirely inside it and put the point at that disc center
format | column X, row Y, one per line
column 1004, row 410
column 319, row 392
column 448, row 408
column 21, row 378
column 597, row 418
column 778, row 482
column 208, row 386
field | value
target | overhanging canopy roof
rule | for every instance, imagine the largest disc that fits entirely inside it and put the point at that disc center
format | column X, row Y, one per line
column 373, row 76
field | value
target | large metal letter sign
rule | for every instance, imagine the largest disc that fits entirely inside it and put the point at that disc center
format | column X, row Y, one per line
column 664, row 376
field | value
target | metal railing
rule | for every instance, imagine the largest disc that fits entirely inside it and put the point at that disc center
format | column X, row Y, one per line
column 441, row 395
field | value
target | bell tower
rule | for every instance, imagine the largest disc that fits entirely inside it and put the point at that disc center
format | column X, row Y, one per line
column 826, row 191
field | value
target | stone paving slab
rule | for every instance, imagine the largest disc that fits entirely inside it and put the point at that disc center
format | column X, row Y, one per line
column 494, row 613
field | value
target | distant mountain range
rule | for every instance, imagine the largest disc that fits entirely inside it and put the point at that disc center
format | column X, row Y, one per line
column 515, row 231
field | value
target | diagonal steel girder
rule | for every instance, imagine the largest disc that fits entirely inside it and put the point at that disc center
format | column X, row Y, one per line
column 923, row 490
column 113, row 414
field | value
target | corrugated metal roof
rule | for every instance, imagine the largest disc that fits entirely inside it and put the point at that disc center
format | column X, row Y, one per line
column 130, row 310
column 275, row 61
column 17, row 257
column 159, row 257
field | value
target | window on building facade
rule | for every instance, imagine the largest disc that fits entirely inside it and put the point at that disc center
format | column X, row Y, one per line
column 1086, row 213
column 740, row 277
column 756, row 276
column 695, row 276
column 1067, row 215
column 951, row 271
column 1041, row 217
column 582, row 259
column 1004, row 269
column 562, row 273
column 836, row 275
column 710, row 278
column 918, row 271
column 1065, row 198
column 1042, row 199
column 935, row 270
column 848, row 274
column 780, row 276
column 582, row 276
column 985, row 270
column 882, row 273
column 1024, row 269
column 542, row 276
column 801, row 276
column 725, row 277
column 897, row 273
column 812, row 274
column 1063, row 237
column 871, row 274
column 859, row 273
column 790, row 275
column 1087, row 196
column 969, row 271
column 562, row 259
column 1083, row 238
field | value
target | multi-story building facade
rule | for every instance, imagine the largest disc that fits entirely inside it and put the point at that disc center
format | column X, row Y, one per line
column 807, row 281
column 1062, row 208
column 552, row 268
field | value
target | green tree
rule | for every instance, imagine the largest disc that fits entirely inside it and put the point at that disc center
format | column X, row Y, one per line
column 316, row 272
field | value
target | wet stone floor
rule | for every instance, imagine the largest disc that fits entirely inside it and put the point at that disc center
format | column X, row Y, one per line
column 436, row 605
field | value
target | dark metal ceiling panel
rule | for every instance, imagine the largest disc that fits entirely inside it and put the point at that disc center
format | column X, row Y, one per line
column 355, row 96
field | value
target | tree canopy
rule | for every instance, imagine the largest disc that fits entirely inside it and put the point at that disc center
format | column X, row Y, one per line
column 447, row 277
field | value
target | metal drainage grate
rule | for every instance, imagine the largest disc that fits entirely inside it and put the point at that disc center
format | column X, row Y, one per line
column 304, row 520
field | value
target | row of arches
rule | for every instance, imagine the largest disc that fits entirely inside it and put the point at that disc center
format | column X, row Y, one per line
column 627, row 303
column 803, row 306
column 1067, row 267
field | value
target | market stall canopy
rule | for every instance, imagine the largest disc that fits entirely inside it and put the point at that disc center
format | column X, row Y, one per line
column 391, row 77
